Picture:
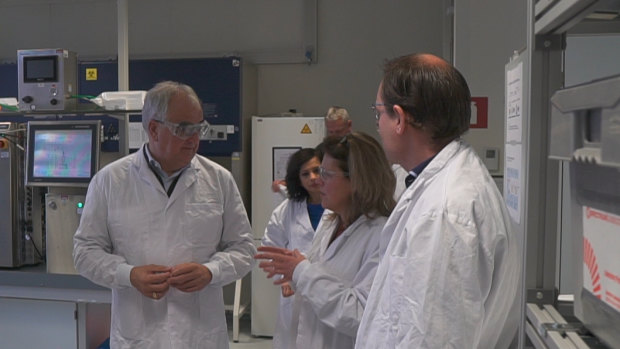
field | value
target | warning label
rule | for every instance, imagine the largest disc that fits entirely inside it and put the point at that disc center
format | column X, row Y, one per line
column 91, row 73
column 306, row 129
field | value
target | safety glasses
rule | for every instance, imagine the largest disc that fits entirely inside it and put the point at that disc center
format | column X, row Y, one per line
column 327, row 175
column 185, row 130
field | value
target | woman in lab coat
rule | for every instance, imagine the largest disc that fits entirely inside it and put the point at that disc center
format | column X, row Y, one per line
column 292, row 226
column 331, row 285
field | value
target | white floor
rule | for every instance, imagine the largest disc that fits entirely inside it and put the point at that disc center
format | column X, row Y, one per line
column 246, row 340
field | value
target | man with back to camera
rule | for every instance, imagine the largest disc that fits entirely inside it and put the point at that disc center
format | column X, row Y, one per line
column 450, row 272
column 165, row 229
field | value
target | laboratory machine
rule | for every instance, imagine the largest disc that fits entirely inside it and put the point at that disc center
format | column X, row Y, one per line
column 46, row 79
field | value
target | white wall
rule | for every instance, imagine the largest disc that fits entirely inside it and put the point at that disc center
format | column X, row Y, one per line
column 486, row 34
column 157, row 28
column 354, row 38
column 583, row 50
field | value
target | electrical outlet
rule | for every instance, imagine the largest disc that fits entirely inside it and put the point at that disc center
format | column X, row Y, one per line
column 216, row 133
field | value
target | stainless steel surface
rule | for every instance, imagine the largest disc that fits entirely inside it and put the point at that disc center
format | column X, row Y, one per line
column 547, row 47
column 39, row 89
column 16, row 244
column 62, row 218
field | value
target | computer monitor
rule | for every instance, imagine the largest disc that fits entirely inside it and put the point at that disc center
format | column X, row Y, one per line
column 62, row 153
column 40, row 69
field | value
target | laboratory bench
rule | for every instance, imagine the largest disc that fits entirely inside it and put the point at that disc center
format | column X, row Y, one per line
column 48, row 310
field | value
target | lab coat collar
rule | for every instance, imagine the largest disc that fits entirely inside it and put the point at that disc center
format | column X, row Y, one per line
column 303, row 219
column 436, row 165
column 144, row 172
column 329, row 251
column 188, row 177
column 157, row 166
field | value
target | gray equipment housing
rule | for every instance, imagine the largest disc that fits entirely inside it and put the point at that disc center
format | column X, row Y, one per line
column 16, row 203
column 585, row 131
column 46, row 79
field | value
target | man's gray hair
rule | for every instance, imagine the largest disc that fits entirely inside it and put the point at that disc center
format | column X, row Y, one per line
column 157, row 100
column 337, row 113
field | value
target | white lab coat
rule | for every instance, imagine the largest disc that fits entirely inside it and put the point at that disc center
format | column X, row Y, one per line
column 333, row 284
column 400, row 173
column 451, row 270
column 288, row 227
column 128, row 220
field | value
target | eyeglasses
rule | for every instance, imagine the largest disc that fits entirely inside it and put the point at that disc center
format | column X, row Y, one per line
column 374, row 108
column 185, row 130
column 329, row 174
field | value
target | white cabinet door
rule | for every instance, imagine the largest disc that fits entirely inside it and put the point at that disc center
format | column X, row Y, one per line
column 27, row 323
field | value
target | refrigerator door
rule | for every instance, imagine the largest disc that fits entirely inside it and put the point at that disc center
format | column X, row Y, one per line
column 274, row 139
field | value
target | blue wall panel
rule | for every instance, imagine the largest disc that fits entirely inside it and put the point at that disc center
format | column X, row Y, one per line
column 217, row 81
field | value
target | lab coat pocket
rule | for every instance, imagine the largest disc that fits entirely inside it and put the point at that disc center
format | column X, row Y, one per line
column 128, row 305
column 203, row 223
column 128, row 229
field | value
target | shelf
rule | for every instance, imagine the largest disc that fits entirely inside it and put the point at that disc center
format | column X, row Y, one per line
column 85, row 110
column 565, row 15
column 37, row 276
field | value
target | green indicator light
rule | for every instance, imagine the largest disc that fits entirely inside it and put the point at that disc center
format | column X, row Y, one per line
column 80, row 205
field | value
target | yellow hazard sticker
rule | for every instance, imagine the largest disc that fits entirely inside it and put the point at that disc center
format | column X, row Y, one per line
column 91, row 73
column 306, row 129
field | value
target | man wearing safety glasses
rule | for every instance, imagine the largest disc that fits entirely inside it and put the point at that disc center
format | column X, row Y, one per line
column 165, row 229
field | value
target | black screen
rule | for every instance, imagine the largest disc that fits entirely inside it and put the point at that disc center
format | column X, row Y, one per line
column 41, row 69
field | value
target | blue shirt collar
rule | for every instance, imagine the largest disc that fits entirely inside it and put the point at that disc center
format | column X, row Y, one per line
column 413, row 174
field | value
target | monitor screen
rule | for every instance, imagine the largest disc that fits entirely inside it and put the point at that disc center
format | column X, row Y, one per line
column 62, row 153
column 41, row 69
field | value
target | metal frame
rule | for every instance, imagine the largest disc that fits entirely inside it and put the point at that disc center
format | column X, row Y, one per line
column 238, row 309
column 548, row 329
column 548, row 24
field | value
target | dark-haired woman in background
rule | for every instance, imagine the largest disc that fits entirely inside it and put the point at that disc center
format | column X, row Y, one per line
column 292, row 225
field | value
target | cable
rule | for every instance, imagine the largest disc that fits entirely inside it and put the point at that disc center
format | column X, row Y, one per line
column 29, row 238
column 86, row 97
column 90, row 99
column 8, row 107
column 14, row 131
column 6, row 135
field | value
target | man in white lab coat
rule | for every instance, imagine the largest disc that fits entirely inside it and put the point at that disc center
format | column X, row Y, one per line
column 449, row 275
column 165, row 229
